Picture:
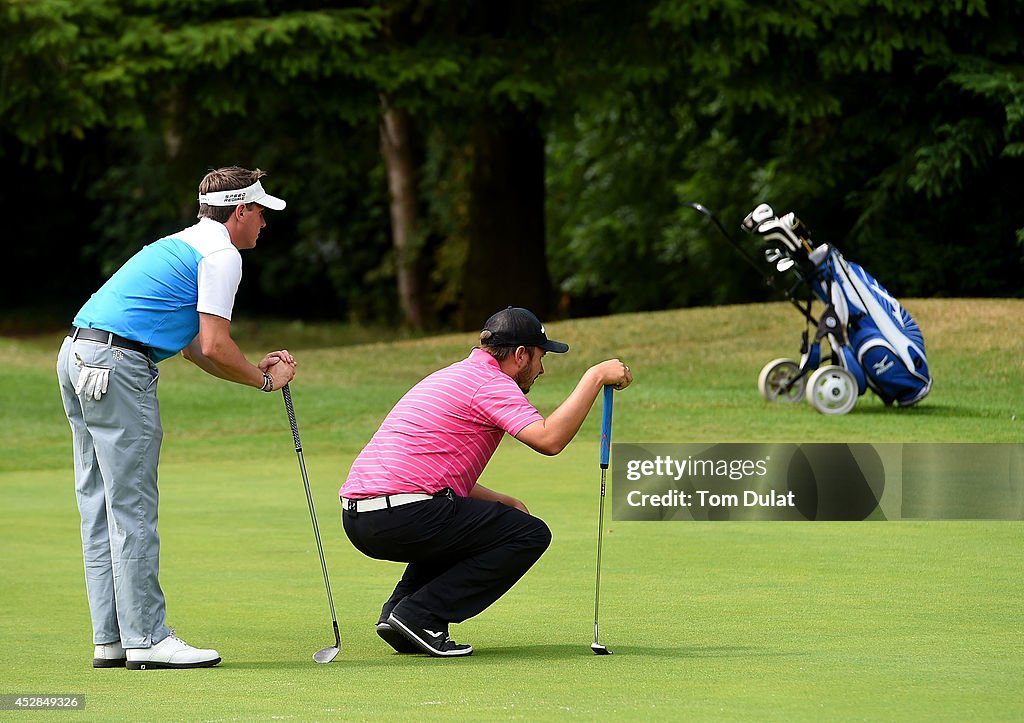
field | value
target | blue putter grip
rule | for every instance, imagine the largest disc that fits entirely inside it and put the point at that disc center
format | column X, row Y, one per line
column 606, row 425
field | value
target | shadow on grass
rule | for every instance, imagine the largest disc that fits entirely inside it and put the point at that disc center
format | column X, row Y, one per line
column 568, row 652
column 925, row 410
column 504, row 655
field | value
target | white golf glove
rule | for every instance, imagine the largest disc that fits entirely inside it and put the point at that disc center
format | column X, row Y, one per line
column 91, row 380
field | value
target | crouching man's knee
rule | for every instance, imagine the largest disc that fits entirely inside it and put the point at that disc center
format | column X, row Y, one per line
column 539, row 535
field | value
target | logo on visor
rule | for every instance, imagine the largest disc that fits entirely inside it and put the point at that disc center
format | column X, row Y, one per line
column 234, row 197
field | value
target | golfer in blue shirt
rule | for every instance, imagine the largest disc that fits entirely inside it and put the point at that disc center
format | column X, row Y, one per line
column 176, row 294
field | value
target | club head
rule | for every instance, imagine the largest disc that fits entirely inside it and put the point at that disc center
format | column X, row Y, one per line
column 600, row 649
column 327, row 654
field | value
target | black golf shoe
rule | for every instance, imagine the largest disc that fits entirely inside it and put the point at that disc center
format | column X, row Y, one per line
column 396, row 639
column 432, row 642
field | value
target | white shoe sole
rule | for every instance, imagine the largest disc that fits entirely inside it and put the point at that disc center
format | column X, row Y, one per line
column 158, row 665
column 426, row 647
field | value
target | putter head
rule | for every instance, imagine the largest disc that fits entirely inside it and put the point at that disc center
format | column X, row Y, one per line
column 600, row 649
column 327, row 654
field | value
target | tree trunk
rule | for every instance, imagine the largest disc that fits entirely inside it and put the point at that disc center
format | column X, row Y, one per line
column 396, row 148
column 506, row 263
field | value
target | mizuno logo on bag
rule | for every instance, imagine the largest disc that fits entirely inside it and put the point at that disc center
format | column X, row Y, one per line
column 883, row 365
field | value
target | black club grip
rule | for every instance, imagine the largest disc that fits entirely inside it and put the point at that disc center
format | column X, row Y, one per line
column 287, row 393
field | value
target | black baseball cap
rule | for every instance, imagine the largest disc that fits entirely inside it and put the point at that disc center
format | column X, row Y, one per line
column 516, row 326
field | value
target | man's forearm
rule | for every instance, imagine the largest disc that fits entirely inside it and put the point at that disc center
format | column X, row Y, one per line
column 567, row 419
column 479, row 492
column 550, row 436
column 225, row 364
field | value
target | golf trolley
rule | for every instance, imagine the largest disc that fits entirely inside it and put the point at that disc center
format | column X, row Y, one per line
column 863, row 339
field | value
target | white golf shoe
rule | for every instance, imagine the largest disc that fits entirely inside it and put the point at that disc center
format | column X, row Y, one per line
column 110, row 655
column 171, row 652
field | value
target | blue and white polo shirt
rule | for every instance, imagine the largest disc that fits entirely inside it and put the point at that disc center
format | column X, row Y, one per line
column 156, row 297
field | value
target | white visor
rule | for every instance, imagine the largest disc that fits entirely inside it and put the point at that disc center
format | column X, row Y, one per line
column 249, row 194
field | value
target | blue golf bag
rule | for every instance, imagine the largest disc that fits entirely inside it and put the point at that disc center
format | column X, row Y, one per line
column 872, row 341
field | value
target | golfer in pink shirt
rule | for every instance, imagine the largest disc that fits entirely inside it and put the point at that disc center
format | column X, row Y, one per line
column 412, row 494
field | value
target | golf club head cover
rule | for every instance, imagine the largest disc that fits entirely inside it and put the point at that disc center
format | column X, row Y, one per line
column 759, row 215
column 786, row 234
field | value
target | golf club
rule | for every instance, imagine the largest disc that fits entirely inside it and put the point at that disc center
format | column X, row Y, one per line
column 606, row 443
column 745, row 254
column 331, row 652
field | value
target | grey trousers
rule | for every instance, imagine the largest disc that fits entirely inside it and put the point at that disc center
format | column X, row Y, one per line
column 116, row 452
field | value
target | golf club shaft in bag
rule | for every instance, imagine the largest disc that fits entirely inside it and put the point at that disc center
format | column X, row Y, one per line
column 749, row 258
column 327, row 654
column 606, row 445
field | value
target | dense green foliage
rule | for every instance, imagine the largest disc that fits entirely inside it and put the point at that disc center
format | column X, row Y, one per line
column 893, row 129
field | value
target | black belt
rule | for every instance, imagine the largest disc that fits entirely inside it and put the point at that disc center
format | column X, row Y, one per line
column 105, row 337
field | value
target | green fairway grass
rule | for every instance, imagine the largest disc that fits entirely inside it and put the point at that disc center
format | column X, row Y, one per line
column 714, row 620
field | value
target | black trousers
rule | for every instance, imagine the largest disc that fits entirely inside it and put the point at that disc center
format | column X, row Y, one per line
column 462, row 554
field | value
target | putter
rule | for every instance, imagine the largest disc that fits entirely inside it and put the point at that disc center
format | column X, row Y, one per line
column 331, row 652
column 606, row 443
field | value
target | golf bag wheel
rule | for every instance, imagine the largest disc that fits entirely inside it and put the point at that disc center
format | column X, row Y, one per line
column 832, row 390
column 776, row 376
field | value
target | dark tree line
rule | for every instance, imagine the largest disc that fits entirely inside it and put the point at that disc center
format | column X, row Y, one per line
column 442, row 159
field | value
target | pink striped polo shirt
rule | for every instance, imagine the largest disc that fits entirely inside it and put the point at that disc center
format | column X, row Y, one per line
column 442, row 432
